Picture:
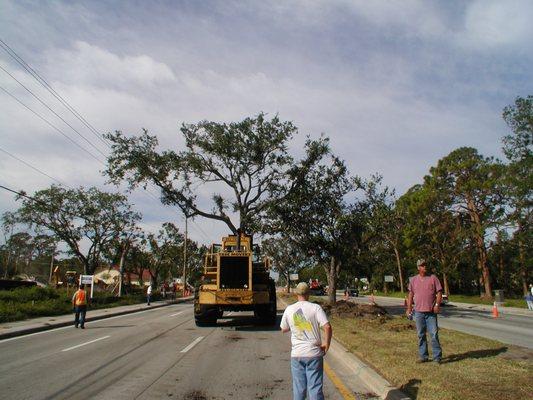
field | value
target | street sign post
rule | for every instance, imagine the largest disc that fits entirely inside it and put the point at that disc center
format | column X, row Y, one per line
column 87, row 280
column 293, row 277
column 389, row 278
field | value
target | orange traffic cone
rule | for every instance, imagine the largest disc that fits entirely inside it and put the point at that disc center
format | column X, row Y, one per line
column 495, row 313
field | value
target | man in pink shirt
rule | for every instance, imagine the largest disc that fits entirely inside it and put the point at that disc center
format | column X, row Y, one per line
column 426, row 291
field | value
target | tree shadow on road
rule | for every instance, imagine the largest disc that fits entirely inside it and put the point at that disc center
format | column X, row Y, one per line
column 474, row 354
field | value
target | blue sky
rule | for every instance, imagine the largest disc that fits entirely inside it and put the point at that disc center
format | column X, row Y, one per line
column 396, row 85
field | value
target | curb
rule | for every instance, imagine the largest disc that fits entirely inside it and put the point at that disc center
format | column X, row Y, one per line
column 50, row 326
column 359, row 369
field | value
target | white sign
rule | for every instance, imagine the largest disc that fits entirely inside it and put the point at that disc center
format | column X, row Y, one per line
column 293, row 277
column 86, row 279
column 389, row 278
column 364, row 280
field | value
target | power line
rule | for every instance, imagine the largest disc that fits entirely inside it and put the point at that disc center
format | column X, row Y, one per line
column 48, row 87
column 31, row 166
column 49, row 108
column 52, row 125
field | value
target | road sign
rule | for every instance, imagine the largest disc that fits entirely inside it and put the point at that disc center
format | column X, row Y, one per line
column 389, row 278
column 86, row 279
column 364, row 280
column 293, row 277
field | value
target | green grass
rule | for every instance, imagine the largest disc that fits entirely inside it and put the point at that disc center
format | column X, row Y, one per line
column 472, row 368
column 24, row 303
column 461, row 298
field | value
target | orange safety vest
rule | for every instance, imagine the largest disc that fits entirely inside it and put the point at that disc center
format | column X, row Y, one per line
column 80, row 298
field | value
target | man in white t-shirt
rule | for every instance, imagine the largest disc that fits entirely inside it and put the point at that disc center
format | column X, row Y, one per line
column 304, row 320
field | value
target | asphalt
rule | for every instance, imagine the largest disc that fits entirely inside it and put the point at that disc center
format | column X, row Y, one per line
column 158, row 352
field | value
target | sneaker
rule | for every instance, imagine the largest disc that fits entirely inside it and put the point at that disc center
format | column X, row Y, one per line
column 82, row 327
column 421, row 360
column 75, row 326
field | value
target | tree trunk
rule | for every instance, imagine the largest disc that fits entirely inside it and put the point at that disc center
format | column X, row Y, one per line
column 399, row 264
column 523, row 266
column 332, row 281
column 446, row 285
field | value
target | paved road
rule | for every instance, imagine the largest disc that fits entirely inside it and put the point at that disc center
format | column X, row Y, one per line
column 154, row 354
column 509, row 329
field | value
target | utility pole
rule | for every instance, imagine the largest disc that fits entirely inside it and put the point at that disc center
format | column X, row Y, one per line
column 185, row 259
column 52, row 265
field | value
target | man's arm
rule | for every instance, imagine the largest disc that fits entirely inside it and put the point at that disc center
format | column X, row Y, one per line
column 328, row 332
column 409, row 303
column 436, row 307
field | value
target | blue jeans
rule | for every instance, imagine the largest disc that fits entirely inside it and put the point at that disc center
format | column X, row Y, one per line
column 427, row 321
column 307, row 378
column 79, row 318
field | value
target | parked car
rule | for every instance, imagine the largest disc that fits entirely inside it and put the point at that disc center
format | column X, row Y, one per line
column 317, row 291
column 445, row 299
column 352, row 292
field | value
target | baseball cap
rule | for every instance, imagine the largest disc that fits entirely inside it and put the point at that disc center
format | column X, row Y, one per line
column 302, row 289
column 421, row 262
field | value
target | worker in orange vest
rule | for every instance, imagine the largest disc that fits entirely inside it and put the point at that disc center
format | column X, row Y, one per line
column 79, row 302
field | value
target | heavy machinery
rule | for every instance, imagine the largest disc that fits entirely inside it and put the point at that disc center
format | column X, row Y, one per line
column 235, row 278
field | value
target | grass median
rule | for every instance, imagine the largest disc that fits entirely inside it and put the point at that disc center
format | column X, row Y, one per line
column 472, row 367
column 24, row 303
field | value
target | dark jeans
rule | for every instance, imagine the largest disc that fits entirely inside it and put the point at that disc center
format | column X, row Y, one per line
column 427, row 321
column 79, row 319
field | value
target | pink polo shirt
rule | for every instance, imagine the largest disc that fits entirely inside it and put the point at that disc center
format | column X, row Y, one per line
column 425, row 291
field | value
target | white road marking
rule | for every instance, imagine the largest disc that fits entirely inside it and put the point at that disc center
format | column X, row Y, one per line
column 196, row 341
column 86, row 343
column 178, row 313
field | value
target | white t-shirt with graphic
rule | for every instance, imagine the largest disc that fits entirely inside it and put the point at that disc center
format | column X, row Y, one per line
column 304, row 319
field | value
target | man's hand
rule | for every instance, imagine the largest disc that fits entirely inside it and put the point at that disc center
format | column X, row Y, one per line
column 408, row 312
column 324, row 348
column 436, row 308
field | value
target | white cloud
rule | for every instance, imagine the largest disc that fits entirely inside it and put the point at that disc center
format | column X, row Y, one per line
column 90, row 64
column 490, row 23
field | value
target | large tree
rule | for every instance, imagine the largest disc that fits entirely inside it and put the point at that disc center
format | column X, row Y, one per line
column 471, row 184
column 320, row 219
column 287, row 257
column 86, row 220
column 246, row 164
column 518, row 148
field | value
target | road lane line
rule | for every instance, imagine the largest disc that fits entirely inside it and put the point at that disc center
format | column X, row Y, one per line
column 196, row 341
column 178, row 313
column 343, row 390
column 86, row 343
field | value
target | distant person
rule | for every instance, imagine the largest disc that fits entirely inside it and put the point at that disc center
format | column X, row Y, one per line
column 304, row 320
column 426, row 291
column 531, row 289
column 148, row 294
column 79, row 302
column 529, row 301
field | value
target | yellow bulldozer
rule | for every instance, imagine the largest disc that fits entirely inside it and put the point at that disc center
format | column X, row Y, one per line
column 235, row 278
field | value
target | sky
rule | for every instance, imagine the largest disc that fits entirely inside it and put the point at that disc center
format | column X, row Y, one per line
column 395, row 85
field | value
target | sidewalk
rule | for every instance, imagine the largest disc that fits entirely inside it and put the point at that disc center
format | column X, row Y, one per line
column 19, row 328
column 355, row 374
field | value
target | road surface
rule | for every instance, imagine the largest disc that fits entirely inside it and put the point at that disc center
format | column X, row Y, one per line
column 509, row 329
column 154, row 354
